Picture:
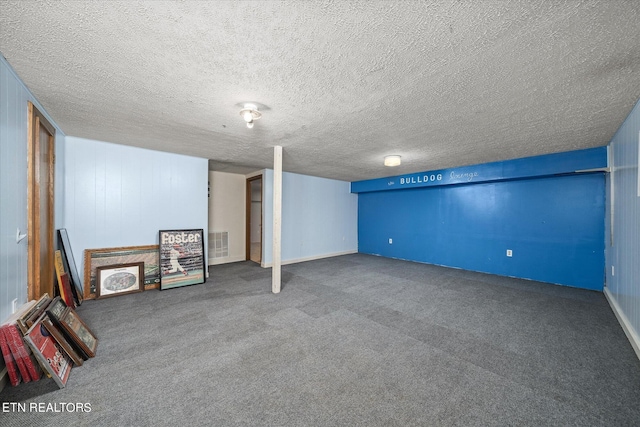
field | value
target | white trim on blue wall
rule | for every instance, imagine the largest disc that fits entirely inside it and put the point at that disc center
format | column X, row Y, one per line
column 624, row 321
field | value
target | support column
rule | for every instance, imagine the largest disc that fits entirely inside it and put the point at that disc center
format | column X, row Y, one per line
column 277, row 219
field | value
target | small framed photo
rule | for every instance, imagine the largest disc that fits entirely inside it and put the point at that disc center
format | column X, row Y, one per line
column 120, row 279
column 79, row 332
column 182, row 260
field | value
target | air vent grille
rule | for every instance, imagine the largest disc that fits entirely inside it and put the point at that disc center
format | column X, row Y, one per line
column 219, row 244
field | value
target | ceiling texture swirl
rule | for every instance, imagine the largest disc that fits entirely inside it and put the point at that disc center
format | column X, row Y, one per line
column 340, row 84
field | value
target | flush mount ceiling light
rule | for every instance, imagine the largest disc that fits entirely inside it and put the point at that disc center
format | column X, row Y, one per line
column 250, row 113
column 392, row 160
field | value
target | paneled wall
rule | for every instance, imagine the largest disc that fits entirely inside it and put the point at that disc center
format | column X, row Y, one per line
column 319, row 218
column 623, row 241
column 118, row 195
column 13, row 185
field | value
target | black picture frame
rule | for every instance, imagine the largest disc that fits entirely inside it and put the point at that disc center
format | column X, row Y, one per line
column 67, row 258
column 182, row 258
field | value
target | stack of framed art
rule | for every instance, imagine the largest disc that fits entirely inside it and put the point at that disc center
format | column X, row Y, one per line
column 45, row 336
column 178, row 260
column 49, row 336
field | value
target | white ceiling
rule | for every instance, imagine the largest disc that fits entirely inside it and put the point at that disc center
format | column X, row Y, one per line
column 442, row 83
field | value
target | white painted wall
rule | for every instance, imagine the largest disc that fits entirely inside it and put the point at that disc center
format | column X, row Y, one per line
column 116, row 195
column 13, row 185
column 227, row 213
column 319, row 218
column 623, row 237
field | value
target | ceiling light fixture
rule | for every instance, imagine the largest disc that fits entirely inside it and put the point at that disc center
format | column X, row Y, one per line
column 250, row 113
column 392, row 160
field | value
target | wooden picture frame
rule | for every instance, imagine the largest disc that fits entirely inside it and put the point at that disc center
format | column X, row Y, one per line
column 94, row 258
column 121, row 279
column 62, row 341
column 70, row 263
column 49, row 353
column 24, row 314
column 28, row 319
column 56, row 309
column 182, row 260
column 79, row 332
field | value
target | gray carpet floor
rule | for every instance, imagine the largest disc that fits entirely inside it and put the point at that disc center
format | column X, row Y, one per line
column 355, row 340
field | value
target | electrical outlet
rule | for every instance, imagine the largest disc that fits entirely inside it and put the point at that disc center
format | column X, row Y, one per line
column 14, row 305
column 509, row 252
column 390, row 241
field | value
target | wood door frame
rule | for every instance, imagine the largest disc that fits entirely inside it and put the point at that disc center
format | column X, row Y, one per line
column 35, row 119
column 248, row 216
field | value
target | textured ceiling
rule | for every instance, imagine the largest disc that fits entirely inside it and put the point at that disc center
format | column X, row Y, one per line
column 442, row 83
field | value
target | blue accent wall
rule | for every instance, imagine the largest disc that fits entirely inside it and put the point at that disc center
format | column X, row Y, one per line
column 554, row 226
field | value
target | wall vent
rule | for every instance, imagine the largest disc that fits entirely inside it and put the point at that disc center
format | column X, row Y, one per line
column 219, row 244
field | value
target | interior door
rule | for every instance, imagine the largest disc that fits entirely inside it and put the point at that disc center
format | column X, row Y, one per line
column 40, row 191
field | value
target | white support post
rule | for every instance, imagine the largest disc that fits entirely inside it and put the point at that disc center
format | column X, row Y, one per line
column 277, row 219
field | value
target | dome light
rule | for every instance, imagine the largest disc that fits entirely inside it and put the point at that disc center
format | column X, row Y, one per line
column 250, row 113
column 392, row 161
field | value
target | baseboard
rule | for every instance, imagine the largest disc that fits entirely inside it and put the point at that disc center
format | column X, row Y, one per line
column 226, row 260
column 627, row 327
column 310, row 258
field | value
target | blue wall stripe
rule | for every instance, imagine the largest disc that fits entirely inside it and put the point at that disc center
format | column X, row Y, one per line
column 538, row 166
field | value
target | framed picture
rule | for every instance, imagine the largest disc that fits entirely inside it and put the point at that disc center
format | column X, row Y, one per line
column 122, row 279
column 49, row 353
column 69, row 261
column 79, row 332
column 64, row 283
column 182, row 259
column 29, row 310
column 94, row 258
column 62, row 341
column 56, row 309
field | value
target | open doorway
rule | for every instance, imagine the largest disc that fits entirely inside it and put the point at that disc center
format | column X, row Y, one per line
column 254, row 219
